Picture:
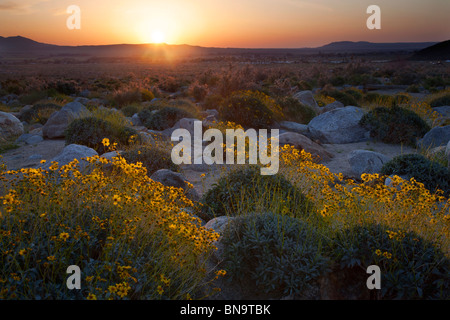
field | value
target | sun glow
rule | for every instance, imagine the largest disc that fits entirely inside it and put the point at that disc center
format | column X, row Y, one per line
column 157, row 37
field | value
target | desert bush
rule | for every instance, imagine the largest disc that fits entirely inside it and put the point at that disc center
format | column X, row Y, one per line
column 440, row 99
column 341, row 96
column 304, row 85
column 343, row 203
column 33, row 97
column 432, row 174
column 245, row 189
column 171, row 84
column 212, row 101
column 412, row 268
column 130, row 110
column 198, row 91
column 67, row 87
column 164, row 118
column 402, row 98
column 91, row 131
column 293, row 110
column 153, row 158
column 130, row 236
column 337, row 81
column 323, row 100
column 395, row 125
column 405, row 77
column 357, row 94
column 414, row 88
column 39, row 113
column 250, row 109
column 147, row 95
column 125, row 96
column 431, row 83
column 272, row 255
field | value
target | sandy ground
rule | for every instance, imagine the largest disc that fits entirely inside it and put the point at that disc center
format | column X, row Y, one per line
column 20, row 157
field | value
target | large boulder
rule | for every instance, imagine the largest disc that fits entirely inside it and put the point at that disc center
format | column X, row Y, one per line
column 364, row 161
column 219, row 225
column 10, row 126
column 175, row 179
column 307, row 98
column 59, row 121
column 294, row 127
column 332, row 106
column 339, row 126
column 301, row 142
column 447, row 152
column 185, row 123
column 70, row 153
column 436, row 137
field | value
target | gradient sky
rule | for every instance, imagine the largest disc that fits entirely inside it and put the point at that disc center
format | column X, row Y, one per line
column 226, row 23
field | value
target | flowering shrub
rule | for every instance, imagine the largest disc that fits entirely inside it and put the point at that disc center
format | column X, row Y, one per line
column 91, row 131
column 403, row 204
column 250, row 109
column 433, row 175
column 131, row 237
column 244, row 190
column 411, row 267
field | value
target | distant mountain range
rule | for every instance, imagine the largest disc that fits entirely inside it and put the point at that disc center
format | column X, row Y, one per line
column 24, row 47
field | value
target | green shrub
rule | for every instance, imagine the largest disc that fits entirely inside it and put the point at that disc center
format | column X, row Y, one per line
column 130, row 110
column 293, row 110
column 91, row 131
column 414, row 88
column 152, row 158
column 33, row 97
column 147, row 95
column 164, row 118
column 272, row 254
column 244, row 189
column 346, row 98
column 355, row 93
column 125, row 96
column 212, row 101
column 39, row 113
column 250, row 109
column 411, row 268
column 198, row 91
column 65, row 87
column 432, row 174
column 440, row 100
column 395, row 125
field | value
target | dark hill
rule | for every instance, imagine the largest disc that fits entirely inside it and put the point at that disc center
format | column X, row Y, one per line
column 439, row 51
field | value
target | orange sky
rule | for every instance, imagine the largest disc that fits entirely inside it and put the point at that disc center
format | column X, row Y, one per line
column 226, row 23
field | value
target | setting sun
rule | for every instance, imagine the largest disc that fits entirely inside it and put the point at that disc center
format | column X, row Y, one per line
column 157, row 37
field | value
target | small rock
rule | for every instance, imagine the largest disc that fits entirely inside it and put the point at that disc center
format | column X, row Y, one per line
column 364, row 161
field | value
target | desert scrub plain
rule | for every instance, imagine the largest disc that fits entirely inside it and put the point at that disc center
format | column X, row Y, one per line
column 112, row 202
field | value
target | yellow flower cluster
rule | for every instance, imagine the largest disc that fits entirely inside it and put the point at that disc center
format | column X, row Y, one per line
column 111, row 196
column 404, row 205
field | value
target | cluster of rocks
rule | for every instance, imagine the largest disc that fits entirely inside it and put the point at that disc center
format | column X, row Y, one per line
column 335, row 124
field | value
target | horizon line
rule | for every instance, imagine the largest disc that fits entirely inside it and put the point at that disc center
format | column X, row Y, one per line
column 253, row 48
